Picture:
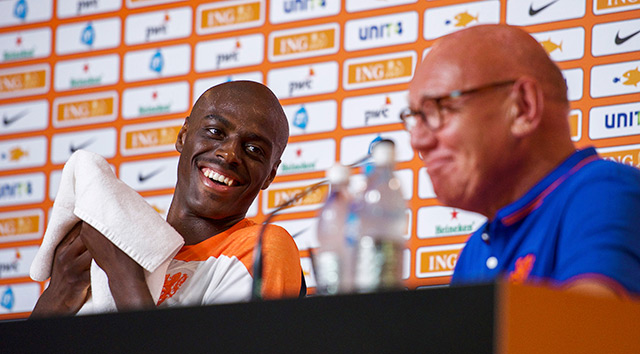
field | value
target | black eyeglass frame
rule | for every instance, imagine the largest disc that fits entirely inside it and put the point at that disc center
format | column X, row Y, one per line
column 410, row 117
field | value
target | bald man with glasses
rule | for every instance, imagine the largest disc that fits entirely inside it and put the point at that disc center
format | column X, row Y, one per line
column 488, row 115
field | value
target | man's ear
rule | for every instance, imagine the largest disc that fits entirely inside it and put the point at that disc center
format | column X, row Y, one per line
column 272, row 175
column 182, row 135
column 526, row 110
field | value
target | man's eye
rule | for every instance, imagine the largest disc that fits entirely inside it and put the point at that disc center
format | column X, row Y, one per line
column 215, row 132
column 255, row 150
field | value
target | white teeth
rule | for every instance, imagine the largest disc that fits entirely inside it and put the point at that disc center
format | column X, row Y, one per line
column 218, row 177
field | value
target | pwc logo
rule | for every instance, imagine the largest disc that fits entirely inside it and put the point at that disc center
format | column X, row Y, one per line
column 380, row 31
column 437, row 261
column 562, row 45
column 280, row 193
column 608, row 6
column 149, row 138
column 308, row 156
column 281, row 11
column 531, row 12
column 77, row 8
column 443, row 20
column 616, row 37
column 304, row 42
column 22, row 189
column 312, row 117
column 304, row 80
column 155, row 100
column 614, row 121
column 229, row 15
column 23, row 153
column 84, row 37
column 615, row 79
column 378, row 109
column 229, row 53
column 21, row 12
column 158, row 26
column 85, row 109
column 88, row 72
column 15, row 262
column 628, row 155
column 25, row 81
column 21, row 225
column 441, row 221
column 24, row 45
column 152, row 64
column 379, row 70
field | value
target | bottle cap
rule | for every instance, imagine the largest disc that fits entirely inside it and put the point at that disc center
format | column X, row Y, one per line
column 338, row 174
column 383, row 152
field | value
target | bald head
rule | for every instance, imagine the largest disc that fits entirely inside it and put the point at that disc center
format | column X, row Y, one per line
column 493, row 53
column 249, row 97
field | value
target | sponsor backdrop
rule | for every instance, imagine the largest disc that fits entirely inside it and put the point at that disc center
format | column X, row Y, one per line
column 117, row 77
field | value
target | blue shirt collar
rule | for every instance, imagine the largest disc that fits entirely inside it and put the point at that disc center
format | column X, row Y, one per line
column 522, row 207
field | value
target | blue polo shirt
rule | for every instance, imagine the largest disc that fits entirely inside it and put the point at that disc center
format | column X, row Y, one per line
column 581, row 220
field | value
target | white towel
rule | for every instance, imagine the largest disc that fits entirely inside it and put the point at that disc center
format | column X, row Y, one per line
column 90, row 191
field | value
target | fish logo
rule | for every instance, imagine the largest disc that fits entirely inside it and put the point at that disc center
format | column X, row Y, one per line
column 157, row 62
column 8, row 299
column 21, row 9
column 632, row 76
column 301, row 118
column 17, row 153
column 88, row 35
column 463, row 19
column 550, row 47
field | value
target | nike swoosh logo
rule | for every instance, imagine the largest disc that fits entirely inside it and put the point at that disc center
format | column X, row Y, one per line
column 533, row 12
column 6, row 120
column 143, row 178
column 74, row 148
column 624, row 39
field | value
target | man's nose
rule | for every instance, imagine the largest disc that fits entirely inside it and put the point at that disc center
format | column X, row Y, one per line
column 228, row 150
column 423, row 139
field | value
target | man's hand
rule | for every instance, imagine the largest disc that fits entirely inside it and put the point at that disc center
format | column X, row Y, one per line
column 70, row 278
column 126, row 277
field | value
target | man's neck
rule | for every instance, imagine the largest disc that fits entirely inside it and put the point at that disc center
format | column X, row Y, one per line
column 195, row 229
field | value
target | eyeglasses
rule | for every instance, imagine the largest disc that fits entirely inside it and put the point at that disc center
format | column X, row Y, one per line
column 431, row 113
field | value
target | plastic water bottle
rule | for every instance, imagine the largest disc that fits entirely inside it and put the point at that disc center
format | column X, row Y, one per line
column 330, row 258
column 383, row 225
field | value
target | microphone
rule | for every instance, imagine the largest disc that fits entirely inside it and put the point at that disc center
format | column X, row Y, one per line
column 256, row 289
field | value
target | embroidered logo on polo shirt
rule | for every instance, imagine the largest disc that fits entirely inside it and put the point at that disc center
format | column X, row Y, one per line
column 522, row 269
column 172, row 282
